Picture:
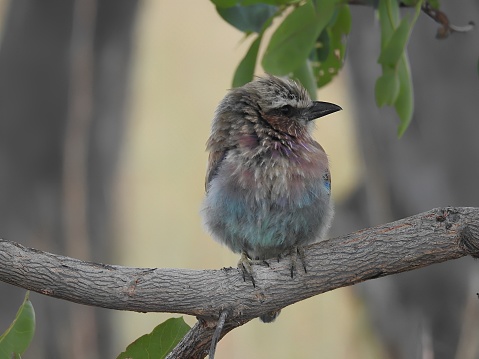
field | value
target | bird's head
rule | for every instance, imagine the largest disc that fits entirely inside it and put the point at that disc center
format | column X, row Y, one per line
column 273, row 104
column 287, row 99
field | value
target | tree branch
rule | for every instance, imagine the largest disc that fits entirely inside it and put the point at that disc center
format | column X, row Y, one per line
column 430, row 237
column 437, row 15
column 446, row 27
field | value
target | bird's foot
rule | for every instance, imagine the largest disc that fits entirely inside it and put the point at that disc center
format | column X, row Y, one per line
column 246, row 268
column 297, row 253
column 245, row 264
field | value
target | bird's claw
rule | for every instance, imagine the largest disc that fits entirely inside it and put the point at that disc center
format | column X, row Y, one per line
column 296, row 253
column 245, row 263
column 246, row 268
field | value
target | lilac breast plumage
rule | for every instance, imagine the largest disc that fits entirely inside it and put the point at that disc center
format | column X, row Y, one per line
column 266, row 204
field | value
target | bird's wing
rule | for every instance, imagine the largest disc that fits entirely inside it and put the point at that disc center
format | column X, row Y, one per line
column 327, row 180
column 214, row 161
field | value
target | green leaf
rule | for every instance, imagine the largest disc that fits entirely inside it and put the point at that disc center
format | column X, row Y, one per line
column 325, row 69
column 18, row 336
column 434, row 4
column 391, row 53
column 387, row 89
column 304, row 74
column 395, row 63
column 159, row 342
column 245, row 70
column 342, row 25
column 270, row 2
column 405, row 102
column 247, row 18
column 388, row 11
column 322, row 47
column 294, row 39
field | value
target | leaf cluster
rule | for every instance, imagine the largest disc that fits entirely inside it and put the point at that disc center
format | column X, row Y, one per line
column 394, row 87
column 308, row 44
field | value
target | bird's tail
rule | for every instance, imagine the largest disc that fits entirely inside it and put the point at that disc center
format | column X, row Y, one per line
column 270, row 316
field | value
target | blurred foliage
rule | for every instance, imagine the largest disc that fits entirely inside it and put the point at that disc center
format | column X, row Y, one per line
column 394, row 87
column 18, row 336
column 309, row 44
column 158, row 343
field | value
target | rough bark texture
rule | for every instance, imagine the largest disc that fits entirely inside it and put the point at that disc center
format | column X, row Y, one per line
column 418, row 241
column 196, row 343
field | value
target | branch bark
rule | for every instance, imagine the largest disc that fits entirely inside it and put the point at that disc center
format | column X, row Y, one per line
column 430, row 237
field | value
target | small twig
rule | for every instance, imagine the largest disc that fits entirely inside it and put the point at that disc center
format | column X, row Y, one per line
column 196, row 343
column 446, row 27
column 437, row 15
column 217, row 334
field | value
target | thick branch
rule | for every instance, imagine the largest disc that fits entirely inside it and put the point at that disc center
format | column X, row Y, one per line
column 431, row 237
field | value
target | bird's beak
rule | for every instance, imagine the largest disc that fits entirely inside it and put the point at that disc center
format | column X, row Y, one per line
column 320, row 109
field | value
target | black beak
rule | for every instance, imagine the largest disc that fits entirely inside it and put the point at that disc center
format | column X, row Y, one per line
column 320, row 109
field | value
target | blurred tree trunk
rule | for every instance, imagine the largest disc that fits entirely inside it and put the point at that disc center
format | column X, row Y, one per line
column 64, row 68
column 435, row 164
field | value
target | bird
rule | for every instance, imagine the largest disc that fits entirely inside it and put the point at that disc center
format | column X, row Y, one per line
column 268, row 184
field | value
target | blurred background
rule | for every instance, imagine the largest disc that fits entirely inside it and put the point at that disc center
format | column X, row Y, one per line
column 105, row 108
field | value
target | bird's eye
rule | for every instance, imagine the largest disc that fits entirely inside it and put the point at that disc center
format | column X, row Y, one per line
column 286, row 110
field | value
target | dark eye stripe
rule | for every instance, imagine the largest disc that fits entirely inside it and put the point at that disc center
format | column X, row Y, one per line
column 285, row 110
